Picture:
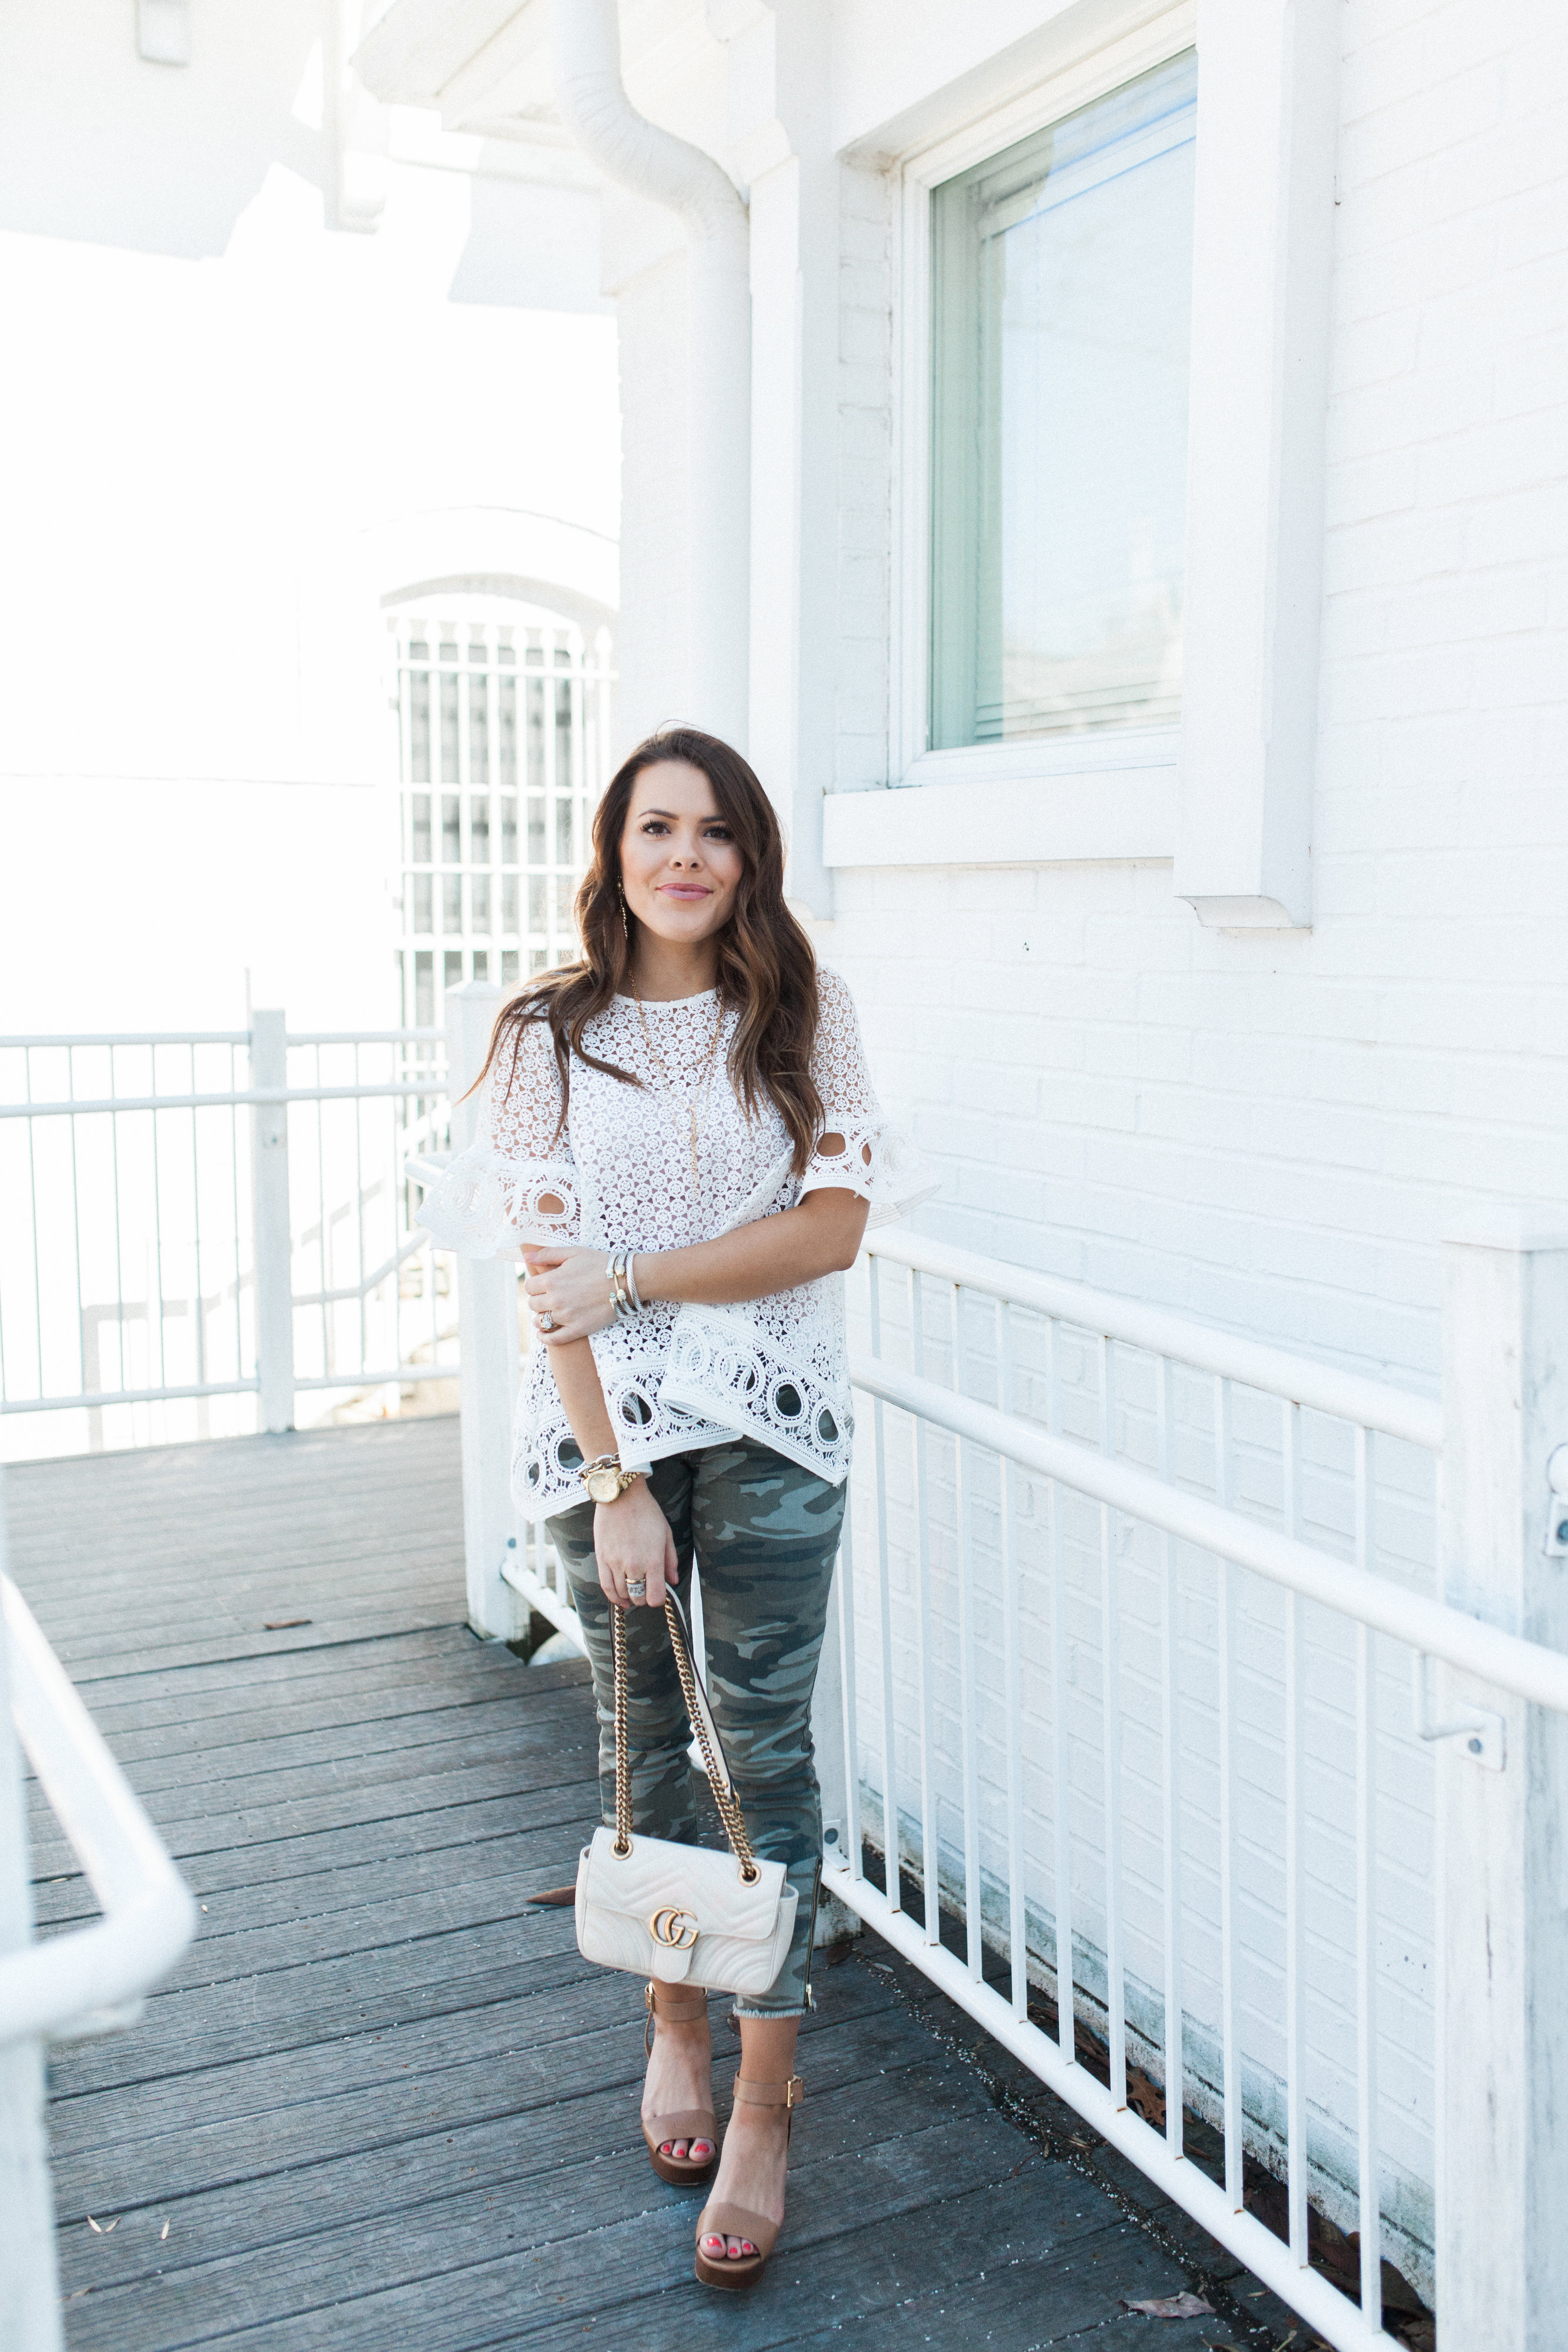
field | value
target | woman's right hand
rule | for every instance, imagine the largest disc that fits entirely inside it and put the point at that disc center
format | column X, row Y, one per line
column 631, row 1539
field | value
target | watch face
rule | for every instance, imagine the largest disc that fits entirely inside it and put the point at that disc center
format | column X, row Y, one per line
column 604, row 1485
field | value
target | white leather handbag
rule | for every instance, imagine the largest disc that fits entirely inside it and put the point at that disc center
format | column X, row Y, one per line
column 688, row 1914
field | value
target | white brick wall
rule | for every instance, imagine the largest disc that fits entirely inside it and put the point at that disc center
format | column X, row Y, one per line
column 1273, row 1132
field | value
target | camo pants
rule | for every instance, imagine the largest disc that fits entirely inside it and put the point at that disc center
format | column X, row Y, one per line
column 766, row 1534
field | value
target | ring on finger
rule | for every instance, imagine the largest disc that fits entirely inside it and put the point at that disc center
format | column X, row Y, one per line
column 546, row 1322
column 636, row 1587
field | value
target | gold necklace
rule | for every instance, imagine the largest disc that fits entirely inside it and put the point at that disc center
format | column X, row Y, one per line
column 666, row 1087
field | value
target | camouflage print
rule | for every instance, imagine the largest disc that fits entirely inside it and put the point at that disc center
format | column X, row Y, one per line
column 766, row 1534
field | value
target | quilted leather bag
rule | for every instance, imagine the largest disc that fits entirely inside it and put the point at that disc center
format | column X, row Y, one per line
column 688, row 1914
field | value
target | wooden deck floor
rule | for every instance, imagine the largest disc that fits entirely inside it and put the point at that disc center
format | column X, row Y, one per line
column 380, row 2105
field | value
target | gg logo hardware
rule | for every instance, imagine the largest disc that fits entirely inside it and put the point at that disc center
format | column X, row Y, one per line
column 677, row 1930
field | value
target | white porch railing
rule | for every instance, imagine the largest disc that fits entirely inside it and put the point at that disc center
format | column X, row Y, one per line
column 89, row 1980
column 1121, row 1693
column 1138, row 1627
column 1164, row 1695
column 1133, row 1704
column 164, row 1249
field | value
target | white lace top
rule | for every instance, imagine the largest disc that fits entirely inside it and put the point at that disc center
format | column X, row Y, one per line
column 619, row 1176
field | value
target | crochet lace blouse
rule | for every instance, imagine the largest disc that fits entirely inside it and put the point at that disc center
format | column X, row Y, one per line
column 618, row 1175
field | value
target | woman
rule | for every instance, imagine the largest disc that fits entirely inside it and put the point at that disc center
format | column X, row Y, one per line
column 693, row 1094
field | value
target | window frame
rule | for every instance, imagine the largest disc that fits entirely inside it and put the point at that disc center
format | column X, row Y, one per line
column 1128, row 774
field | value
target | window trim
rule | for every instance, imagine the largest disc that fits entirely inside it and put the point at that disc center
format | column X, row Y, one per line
column 974, row 817
column 1056, row 759
column 974, row 142
column 1263, row 274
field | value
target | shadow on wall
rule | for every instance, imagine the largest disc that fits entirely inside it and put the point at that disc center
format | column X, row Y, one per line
column 530, row 247
column 101, row 147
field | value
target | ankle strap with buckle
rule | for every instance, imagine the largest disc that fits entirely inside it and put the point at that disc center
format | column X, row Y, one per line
column 791, row 2094
column 678, row 2002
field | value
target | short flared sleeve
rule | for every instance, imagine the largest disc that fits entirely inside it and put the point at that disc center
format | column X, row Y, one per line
column 517, row 1181
column 868, row 1154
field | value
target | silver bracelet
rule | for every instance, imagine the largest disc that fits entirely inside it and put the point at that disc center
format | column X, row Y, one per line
column 632, row 1280
column 620, row 1288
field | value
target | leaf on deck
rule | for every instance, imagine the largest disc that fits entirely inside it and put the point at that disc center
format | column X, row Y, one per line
column 1172, row 2307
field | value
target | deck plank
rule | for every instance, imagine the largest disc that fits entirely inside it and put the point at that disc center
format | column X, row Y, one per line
column 350, row 1883
column 220, row 1721
column 197, row 1689
column 285, row 1857
column 383, row 2102
column 178, row 1555
column 218, row 2222
column 377, row 1798
column 294, row 1762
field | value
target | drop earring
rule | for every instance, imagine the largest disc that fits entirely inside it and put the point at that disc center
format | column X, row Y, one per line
column 625, row 925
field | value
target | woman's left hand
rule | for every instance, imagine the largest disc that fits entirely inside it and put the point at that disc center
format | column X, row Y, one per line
column 572, row 1288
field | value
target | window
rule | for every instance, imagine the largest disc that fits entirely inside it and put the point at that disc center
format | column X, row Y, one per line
column 1061, row 282
column 488, row 888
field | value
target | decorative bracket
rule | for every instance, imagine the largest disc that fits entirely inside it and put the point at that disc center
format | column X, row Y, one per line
column 1483, row 1734
column 1556, row 1544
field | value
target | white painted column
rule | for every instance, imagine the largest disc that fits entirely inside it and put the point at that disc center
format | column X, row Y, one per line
column 1262, row 262
column 487, row 1344
column 29, row 2288
column 274, row 1242
column 779, row 66
column 1503, row 1871
column 779, row 70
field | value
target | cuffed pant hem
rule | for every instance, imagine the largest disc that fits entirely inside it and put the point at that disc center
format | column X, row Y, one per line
column 801, row 2009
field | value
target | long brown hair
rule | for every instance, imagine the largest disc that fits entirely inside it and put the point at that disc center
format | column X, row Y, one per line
column 767, row 970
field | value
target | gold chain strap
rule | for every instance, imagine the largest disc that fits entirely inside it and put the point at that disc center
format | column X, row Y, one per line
column 623, row 1764
column 729, row 1812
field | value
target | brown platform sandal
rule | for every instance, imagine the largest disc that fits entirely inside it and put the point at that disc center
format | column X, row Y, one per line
column 735, row 2221
column 680, row 2004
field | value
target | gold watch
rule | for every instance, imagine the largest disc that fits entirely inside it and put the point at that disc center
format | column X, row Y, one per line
column 605, row 1480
